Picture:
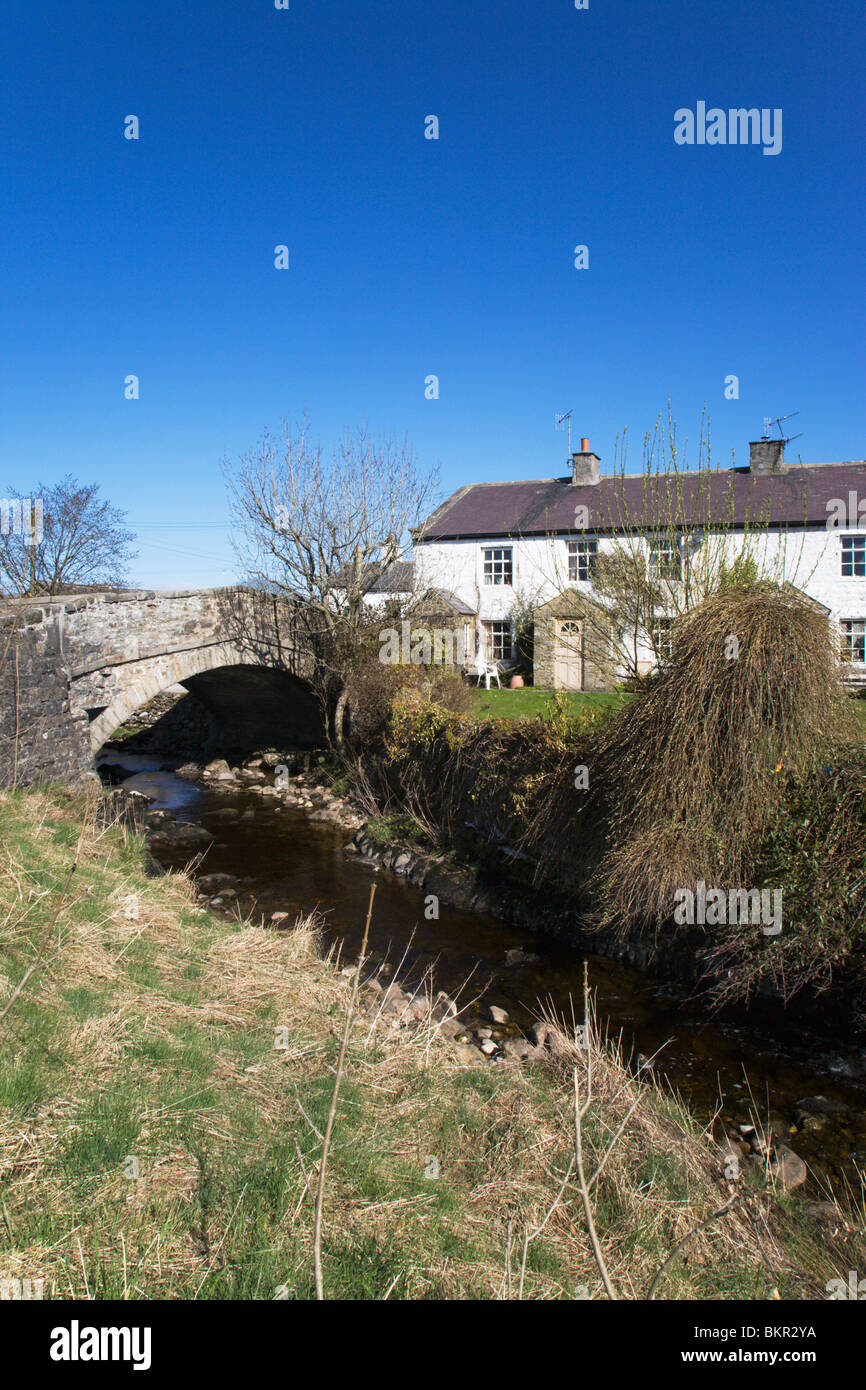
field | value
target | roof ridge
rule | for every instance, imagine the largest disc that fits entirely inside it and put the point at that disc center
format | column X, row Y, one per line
column 684, row 473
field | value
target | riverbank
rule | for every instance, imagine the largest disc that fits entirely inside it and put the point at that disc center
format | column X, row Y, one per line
column 269, row 853
column 169, row 1070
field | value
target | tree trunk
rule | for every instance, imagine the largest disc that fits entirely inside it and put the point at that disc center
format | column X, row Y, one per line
column 339, row 718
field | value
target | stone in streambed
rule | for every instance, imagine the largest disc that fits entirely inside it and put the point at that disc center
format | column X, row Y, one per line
column 788, row 1167
column 181, row 834
column 522, row 1050
column 517, row 956
column 212, row 883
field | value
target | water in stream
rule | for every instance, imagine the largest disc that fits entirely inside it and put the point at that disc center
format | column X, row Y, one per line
column 288, row 863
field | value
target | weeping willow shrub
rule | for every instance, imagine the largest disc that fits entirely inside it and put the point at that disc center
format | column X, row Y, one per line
column 695, row 771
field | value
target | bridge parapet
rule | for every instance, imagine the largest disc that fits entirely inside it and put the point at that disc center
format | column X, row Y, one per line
column 77, row 666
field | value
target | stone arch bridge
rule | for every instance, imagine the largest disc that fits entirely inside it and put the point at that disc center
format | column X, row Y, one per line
column 73, row 669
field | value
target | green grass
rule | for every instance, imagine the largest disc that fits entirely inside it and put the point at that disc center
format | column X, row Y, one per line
column 529, row 702
column 154, row 1039
column 858, row 705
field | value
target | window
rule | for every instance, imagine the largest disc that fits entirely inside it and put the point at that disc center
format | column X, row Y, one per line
column 853, row 639
column 497, row 566
column 661, row 639
column 665, row 561
column 498, row 641
column 854, row 557
column 581, row 560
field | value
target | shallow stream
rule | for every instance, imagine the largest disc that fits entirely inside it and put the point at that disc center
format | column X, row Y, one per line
column 288, row 863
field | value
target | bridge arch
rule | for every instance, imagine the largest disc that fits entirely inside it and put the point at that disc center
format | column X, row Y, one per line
column 250, row 704
column 150, row 678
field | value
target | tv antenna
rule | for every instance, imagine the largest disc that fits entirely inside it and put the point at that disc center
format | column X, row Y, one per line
column 560, row 421
column 778, row 423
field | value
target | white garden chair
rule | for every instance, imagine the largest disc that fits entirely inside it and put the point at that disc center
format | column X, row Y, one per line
column 487, row 671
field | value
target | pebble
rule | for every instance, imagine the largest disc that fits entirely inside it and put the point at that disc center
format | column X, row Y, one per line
column 788, row 1167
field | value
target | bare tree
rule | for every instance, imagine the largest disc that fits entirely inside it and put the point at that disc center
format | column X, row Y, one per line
column 62, row 537
column 322, row 529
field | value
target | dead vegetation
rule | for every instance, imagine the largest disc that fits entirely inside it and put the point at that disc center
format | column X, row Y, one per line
column 167, row 1078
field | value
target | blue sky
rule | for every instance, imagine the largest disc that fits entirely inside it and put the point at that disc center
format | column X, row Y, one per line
column 411, row 257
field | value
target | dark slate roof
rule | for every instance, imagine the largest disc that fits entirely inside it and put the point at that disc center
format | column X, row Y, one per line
column 734, row 496
column 451, row 600
column 396, row 580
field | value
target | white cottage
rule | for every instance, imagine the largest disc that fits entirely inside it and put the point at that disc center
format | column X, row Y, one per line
column 500, row 547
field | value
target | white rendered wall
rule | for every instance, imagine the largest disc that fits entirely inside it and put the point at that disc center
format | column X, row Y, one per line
column 809, row 559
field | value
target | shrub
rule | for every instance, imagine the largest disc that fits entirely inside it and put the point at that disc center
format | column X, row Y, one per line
column 815, row 851
column 692, row 768
column 375, row 686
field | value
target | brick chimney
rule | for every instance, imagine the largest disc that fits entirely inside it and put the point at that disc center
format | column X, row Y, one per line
column 767, row 456
column 584, row 466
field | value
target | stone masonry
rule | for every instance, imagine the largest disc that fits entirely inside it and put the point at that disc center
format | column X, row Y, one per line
column 73, row 669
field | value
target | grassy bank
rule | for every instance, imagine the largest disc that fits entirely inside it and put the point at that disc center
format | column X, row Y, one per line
column 165, row 1077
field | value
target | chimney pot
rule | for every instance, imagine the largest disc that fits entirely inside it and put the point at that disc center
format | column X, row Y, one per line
column 584, row 446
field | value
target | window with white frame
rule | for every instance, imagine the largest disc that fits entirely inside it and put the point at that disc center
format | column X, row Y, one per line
column 665, row 560
column 581, row 560
column 498, row 568
column 498, row 641
column 853, row 639
column 661, row 639
column 854, row 557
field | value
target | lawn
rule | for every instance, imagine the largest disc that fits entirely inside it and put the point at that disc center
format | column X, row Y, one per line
column 528, row 702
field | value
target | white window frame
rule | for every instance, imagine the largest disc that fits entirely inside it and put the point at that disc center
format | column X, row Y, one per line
column 499, row 564
column 582, row 555
column 662, row 640
column 494, row 641
column 665, row 556
column 852, row 635
column 853, row 550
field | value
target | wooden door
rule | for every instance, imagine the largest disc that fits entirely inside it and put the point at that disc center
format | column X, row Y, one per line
column 568, row 660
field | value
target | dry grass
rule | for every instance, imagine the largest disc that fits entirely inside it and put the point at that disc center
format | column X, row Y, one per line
column 692, row 770
column 204, row 1050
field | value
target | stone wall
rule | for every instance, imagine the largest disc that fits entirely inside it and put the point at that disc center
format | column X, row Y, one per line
column 42, row 739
